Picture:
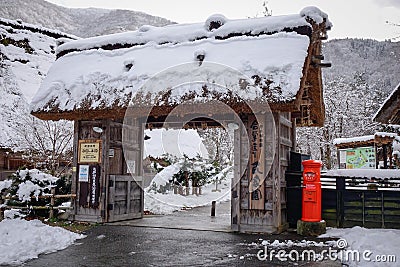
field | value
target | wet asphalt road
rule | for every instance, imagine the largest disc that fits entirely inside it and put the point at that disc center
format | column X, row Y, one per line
column 110, row 245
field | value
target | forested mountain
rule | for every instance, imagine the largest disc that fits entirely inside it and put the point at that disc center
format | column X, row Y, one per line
column 82, row 22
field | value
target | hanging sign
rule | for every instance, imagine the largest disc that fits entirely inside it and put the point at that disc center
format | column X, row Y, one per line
column 256, row 166
column 94, row 187
column 89, row 151
column 83, row 175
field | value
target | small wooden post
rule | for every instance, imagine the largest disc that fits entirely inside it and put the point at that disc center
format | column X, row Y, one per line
column 52, row 202
column 1, row 209
column 213, row 209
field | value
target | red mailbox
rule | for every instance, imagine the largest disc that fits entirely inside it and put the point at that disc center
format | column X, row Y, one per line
column 311, row 191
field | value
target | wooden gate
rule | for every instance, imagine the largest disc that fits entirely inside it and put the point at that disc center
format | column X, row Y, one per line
column 125, row 198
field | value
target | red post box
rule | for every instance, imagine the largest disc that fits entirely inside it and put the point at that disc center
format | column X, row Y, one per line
column 311, row 191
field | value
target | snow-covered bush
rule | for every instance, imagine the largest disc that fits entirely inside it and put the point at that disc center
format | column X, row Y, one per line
column 198, row 170
column 25, row 187
column 31, row 183
column 185, row 171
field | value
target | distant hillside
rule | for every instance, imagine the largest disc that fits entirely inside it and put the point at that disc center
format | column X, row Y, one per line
column 82, row 22
column 26, row 53
column 363, row 74
column 378, row 62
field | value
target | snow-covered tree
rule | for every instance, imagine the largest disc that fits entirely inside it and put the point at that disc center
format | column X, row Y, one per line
column 219, row 145
column 363, row 73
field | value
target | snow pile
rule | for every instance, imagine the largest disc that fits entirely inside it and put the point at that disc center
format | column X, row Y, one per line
column 23, row 240
column 13, row 214
column 164, row 176
column 315, row 14
column 380, row 242
column 215, row 20
column 174, row 142
column 170, row 202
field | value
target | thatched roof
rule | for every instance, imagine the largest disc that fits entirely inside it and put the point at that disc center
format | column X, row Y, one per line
column 389, row 112
column 271, row 61
column 18, row 24
column 379, row 138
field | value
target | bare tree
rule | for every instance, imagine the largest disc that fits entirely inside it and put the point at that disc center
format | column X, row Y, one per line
column 266, row 12
column 47, row 143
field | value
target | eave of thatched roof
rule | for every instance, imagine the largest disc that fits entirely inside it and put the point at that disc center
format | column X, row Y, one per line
column 275, row 55
column 389, row 112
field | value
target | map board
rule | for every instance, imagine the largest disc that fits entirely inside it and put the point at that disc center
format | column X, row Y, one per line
column 359, row 158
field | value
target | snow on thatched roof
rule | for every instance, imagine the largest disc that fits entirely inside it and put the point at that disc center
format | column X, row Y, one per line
column 390, row 108
column 104, row 73
column 20, row 25
column 365, row 139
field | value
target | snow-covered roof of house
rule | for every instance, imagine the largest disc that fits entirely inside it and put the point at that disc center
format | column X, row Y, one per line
column 367, row 173
column 275, row 54
column 26, row 53
column 389, row 112
column 378, row 137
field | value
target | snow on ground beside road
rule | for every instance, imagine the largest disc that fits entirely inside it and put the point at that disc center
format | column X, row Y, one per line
column 158, row 203
column 23, row 240
column 381, row 242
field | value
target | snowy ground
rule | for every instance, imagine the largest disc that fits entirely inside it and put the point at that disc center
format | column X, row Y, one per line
column 355, row 246
column 169, row 202
column 376, row 247
column 22, row 240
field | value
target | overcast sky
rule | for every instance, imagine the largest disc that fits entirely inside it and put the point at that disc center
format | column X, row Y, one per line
column 351, row 18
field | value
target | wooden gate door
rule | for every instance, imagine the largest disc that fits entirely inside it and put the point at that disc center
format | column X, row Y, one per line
column 125, row 198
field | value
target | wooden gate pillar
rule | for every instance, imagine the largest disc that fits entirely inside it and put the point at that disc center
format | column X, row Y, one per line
column 262, row 146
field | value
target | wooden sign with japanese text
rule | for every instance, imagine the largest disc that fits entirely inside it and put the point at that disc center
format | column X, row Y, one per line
column 89, row 151
column 256, row 166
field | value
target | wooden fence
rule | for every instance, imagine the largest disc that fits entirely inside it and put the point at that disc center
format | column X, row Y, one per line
column 350, row 201
column 51, row 207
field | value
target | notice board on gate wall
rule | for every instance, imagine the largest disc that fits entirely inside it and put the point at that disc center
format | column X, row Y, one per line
column 89, row 191
column 89, row 151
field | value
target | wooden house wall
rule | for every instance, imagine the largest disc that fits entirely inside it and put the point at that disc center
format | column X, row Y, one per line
column 83, row 130
column 3, row 160
column 112, row 163
column 269, row 212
